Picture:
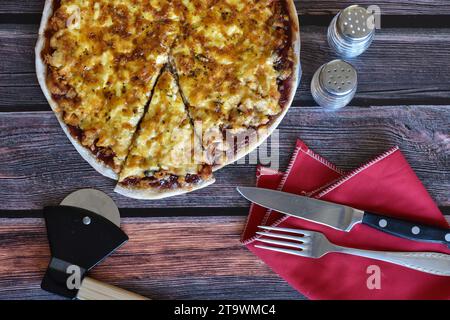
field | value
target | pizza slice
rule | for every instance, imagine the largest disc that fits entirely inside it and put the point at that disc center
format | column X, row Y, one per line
column 233, row 64
column 166, row 157
column 97, row 62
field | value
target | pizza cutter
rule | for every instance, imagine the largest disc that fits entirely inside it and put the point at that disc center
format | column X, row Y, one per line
column 82, row 231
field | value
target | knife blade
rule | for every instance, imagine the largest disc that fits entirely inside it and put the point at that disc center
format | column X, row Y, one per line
column 342, row 217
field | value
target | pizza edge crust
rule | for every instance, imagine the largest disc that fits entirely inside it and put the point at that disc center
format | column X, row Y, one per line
column 291, row 83
column 155, row 194
column 41, row 72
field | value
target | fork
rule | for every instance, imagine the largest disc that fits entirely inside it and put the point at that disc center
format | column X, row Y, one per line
column 311, row 244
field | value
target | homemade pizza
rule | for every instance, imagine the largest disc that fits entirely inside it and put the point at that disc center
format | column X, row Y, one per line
column 157, row 93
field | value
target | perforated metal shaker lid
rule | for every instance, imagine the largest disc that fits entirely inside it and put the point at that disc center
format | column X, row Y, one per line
column 352, row 31
column 334, row 84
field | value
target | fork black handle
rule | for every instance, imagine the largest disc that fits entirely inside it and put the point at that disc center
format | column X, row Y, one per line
column 407, row 229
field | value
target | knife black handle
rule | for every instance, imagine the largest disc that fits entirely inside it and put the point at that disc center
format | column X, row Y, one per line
column 407, row 229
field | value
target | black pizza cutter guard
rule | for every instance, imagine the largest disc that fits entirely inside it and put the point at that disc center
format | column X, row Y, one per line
column 82, row 231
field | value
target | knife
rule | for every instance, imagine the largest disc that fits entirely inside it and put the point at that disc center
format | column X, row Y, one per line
column 82, row 231
column 342, row 217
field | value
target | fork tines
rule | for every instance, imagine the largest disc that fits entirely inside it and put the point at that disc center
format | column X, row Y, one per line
column 301, row 241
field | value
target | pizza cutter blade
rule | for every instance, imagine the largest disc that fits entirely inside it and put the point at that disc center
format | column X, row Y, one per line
column 82, row 231
column 95, row 201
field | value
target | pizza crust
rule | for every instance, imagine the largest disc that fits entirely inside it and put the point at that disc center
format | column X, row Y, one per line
column 41, row 72
column 154, row 194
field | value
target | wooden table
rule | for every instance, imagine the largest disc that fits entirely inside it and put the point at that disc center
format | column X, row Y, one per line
column 188, row 246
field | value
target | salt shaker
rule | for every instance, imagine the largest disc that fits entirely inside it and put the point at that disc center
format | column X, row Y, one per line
column 352, row 31
column 334, row 84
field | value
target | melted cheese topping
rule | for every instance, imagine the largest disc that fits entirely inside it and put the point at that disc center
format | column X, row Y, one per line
column 104, row 59
column 165, row 142
column 226, row 62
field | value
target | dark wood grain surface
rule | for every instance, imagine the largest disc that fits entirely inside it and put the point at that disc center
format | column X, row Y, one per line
column 188, row 246
column 40, row 165
column 167, row 258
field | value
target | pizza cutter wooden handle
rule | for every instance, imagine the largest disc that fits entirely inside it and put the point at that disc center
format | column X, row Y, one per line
column 95, row 290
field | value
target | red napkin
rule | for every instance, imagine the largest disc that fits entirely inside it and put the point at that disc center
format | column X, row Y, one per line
column 386, row 184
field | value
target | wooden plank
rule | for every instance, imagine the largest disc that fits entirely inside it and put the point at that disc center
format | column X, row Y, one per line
column 40, row 167
column 171, row 258
column 305, row 7
column 17, row 44
column 403, row 66
column 388, row 7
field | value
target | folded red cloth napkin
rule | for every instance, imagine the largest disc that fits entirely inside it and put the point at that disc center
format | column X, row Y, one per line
column 386, row 184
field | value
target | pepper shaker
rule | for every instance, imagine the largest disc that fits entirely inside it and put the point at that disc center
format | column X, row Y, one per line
column 352, row 31
column 334, row 84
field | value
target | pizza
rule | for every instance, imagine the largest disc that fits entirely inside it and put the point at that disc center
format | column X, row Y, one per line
column 153, row 93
